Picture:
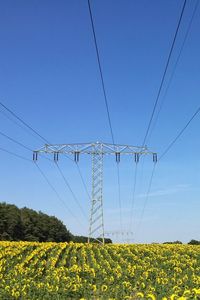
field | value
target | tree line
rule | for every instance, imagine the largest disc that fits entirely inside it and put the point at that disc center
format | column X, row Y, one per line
column 192, row 242
column 29, row 225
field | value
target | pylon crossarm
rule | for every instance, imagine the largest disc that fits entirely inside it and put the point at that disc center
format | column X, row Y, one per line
column 97, row 150
column 94, row 148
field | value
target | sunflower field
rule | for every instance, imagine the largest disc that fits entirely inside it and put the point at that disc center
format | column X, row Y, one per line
column 31, row 270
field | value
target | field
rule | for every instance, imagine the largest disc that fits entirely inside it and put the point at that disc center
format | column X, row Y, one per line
column 30, row 270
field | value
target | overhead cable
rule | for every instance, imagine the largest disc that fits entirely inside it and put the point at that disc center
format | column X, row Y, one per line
column 101, row 73
column 175, row 65
column 14, row 154
column 83, row 181
column 161, row 157
column 106, row 103
column 164, row 73
column 23, row 122
column 22, row 145
column 156, row 102
column 18, row 124
column 57, row 194
column 71, row 191
column 133, row 196
column 146, row 198
column 24, row 158
column 119, row 197
column 15, row 141
column 178, row 135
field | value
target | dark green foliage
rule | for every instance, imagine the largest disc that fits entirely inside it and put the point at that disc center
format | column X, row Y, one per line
column 107, row 240
column 84, row 239
column 28, row 225
column 194, row 242
column 175, row 242
column 10, row 222
column 79, row 239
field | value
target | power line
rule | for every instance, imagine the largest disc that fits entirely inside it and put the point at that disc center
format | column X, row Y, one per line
column 57, row 194
column 119, row 197
column 60, row 171
column 146, row 198
column 15, row 141
column 133, row 196
column 20, row 144
column 101, row 73
column 71, row 191
column 175, row 65
column 141, row 179
column 161, row 157
column 179, row 134
column 27, row 148
column 70, row 188
column 164, row 74
column 97, row 151
column 45, row 177
column 156, row 103
column 83, row 181
column 33, row 130
column 19, row 124
column 106, row 103
column 23, row 122
column 14, row 154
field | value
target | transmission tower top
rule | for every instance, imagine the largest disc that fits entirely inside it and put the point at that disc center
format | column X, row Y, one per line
column 94, row 148
column 97, row 150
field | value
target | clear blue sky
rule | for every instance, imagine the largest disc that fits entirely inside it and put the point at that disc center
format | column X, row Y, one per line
column 49, row 76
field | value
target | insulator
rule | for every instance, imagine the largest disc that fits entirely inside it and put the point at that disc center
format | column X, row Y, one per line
column 76, row 156
column 117, row 155
column 155, row 157
column 137, row 157
column 55, row 156
column 35, row 156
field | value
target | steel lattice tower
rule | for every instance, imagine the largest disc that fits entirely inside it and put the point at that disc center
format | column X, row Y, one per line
column 97, row 151
column 96, row 215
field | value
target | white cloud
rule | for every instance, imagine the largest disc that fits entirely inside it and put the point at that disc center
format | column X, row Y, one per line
column 168, row 191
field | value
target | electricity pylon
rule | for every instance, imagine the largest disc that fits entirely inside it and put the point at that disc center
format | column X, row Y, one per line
column 97, row 150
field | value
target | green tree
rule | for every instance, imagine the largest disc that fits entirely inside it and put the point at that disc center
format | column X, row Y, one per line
column 28, row 225
column 194, row 242
column 11, row 227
